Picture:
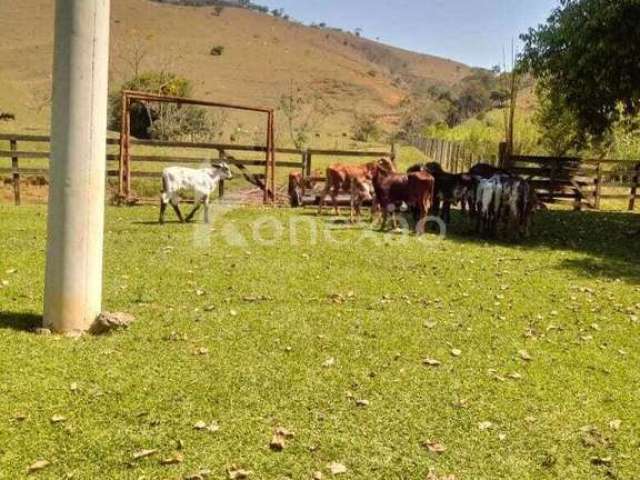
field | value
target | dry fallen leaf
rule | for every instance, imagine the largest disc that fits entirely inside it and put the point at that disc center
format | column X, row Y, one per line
column 592, row 438
column 238, row 473
column 212, row 427
column 174, row 460
column 284, row 432
column 485, row 426
column 434, row 447
column 58, row 419
column 317, row 476
column 362, row 403
column 144, row 454
column 432, row 475
column 615, row 424
column 329, row 362
column 37, row 466
column 601, row 461
column 201, row 475
column 337, row 468
column 456, row 353
column 431, row 362
column 277, row 443
column 524, row 355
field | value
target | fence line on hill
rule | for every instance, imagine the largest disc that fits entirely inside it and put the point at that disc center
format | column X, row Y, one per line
column 454, row 156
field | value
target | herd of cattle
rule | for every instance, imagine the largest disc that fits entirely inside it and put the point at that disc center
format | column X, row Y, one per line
column 496, row 200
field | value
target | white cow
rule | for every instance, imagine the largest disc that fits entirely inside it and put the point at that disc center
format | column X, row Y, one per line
column 202, row 182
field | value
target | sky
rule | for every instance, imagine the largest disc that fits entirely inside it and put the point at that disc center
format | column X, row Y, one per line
column 474, row 32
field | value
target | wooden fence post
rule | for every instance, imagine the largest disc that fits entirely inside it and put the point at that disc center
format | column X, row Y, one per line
column 503, row 161
column 634, row 189
column 598, row 192
column 552, row 178
column 15, row 167
column 308, row 163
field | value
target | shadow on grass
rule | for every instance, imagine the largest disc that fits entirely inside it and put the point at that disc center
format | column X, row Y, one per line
column 20, row 321
column 158, row 224
column 609, row 240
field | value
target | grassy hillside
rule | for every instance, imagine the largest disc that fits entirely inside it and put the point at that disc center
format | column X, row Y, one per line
column 262, row 56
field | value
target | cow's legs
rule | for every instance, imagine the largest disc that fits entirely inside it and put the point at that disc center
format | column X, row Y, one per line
column 163, row 208
column 394, row 220
column 334, row 199
column 385, row 214
column 323, row 197
column 375, row 208
column 175, row 202
column 353, row 202
column 197, row 204
column 446, row 211
column 193, row 212
column 207, row 209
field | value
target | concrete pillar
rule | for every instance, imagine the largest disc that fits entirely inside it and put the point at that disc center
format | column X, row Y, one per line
column 73, row 284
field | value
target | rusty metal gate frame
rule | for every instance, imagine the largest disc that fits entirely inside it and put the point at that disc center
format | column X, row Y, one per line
column 130, row 96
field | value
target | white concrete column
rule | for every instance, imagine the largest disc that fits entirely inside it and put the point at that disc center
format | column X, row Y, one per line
column 73, row 284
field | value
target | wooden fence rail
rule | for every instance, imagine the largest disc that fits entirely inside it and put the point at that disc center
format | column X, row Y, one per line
column 579, row 180
column 221, row 151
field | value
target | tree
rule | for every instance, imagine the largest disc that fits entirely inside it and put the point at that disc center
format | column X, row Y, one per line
column 304, row 112
column 587, row 56
column 557, row 123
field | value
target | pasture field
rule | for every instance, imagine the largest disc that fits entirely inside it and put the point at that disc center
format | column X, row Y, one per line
column 538, row 345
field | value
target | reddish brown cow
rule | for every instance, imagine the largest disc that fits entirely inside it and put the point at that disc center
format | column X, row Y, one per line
column 339, row 179
column 296, row 189
column 415, row 189
column 299, row 184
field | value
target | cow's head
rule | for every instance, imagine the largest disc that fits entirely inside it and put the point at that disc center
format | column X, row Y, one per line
column 386, row 165
column 222, row 170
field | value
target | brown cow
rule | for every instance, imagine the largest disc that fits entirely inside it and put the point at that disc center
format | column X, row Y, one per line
column 299, row 184
column 339, row 179
column 415, row 189
column 361, row 191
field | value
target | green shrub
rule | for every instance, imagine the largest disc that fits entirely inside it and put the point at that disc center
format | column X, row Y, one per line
column 163, row 121
column 365, row 128
column 217, row 50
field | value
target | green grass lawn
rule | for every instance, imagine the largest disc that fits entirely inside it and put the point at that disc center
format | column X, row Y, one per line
column 240, row 332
